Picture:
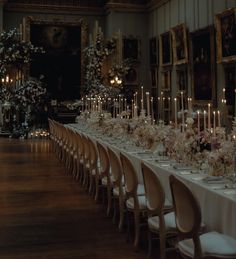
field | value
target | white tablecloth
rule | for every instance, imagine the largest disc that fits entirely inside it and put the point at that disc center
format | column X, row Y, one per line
column 218, row 206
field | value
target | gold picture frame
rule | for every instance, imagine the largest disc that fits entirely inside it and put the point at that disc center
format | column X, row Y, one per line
column 180, row 44
column 166, row 81
column 30, row 21
column 203, row 66
column 226, row 35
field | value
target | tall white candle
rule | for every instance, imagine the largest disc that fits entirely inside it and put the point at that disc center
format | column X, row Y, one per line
column 182, row 108
column 152, row 112
column 148, row 103
column 198, row 122
column 169, row 108
column 204, row 120
column 163, row 108
column 175, row 112
column 214, row 123
column 219, row 122
column 142, row 97
column 159, row 107
column 223, row 93
column 235, row 103
column 209, row 116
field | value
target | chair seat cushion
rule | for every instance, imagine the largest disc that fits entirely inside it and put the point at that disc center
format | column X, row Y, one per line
column 116, row 191
column 153, row 222
column 104, row 181
column 140, row 189
column 213, row 244
column 141, row 200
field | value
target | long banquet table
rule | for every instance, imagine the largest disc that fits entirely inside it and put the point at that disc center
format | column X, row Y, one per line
column 218, row 204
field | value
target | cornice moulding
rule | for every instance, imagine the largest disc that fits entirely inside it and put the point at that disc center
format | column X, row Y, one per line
column 54, row 9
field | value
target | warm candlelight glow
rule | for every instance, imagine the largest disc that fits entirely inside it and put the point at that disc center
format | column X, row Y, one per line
column 209, row 116
column 204, row 119
column 198, row 122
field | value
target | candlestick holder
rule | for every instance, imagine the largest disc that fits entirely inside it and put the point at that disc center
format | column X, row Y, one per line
column 143, row 113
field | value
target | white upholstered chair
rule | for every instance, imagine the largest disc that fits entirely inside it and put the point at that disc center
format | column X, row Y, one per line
column 161, row 221
column 135, row 195
column 188, row 222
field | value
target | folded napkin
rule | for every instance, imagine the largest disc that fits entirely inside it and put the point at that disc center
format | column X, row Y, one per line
column 181, row 167
column 214, row 179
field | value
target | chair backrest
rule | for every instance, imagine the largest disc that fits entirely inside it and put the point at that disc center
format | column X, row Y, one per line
column 131, row 179
column 116, row 167
column 104, row 159
column 187, row 210
column 86, row 149
column 154, row 191
column 93, row 155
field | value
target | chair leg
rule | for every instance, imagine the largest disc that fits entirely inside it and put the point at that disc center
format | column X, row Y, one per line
column 137, row 228
column 109, row 199
column 149, row 243
column 122, row 212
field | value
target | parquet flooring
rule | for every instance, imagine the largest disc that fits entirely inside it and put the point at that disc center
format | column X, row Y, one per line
column 44, row 213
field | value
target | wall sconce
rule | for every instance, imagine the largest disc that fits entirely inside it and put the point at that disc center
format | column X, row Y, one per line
column 116, row 81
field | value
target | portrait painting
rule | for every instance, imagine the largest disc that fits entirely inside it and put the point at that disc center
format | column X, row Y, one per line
column 62, row 60
column 203, row 65
column 230, row 86
column 226, row 35
column 166, row 80
column 153, row 76
column 165, row 49
column 131, row 48
column 180, row 44
column 182, row 80
column 153, row 51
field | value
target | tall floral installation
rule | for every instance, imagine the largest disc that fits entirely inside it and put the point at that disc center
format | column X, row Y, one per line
column 20, row 95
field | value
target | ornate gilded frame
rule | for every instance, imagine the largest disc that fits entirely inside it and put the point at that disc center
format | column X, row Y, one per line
column 180, row 44
column 226, row 35
column 29, row 20
column 131, row 48
column 203, row 66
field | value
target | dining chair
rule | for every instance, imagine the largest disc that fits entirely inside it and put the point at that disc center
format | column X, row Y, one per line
column 188, row 222
column 135, row 196
column 103, row 177
column 161, row 218
column 92, row 166
column 118, row 190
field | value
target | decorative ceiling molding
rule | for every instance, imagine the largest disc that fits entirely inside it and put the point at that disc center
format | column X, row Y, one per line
column 92, row 7
column 124, row 7
column 79, row 10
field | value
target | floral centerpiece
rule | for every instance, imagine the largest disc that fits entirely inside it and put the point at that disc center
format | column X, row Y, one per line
column 221, row 159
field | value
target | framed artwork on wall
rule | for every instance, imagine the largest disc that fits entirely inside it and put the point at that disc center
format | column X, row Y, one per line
column 165, row 49
column 131, row 48
column 203, row 65
column 166, row 80
column 182, row 79
column 180, row 44
column 153, row 76
column 62, row 64
column 153, row 51
column 230, row 86
column 226, row 35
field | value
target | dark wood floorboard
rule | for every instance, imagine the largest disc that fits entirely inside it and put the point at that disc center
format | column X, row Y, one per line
column 44, row 213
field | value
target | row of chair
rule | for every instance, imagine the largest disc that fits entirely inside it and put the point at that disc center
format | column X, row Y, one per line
column 112, row 177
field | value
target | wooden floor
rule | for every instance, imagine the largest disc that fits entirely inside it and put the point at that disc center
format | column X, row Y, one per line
column 44, row 213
